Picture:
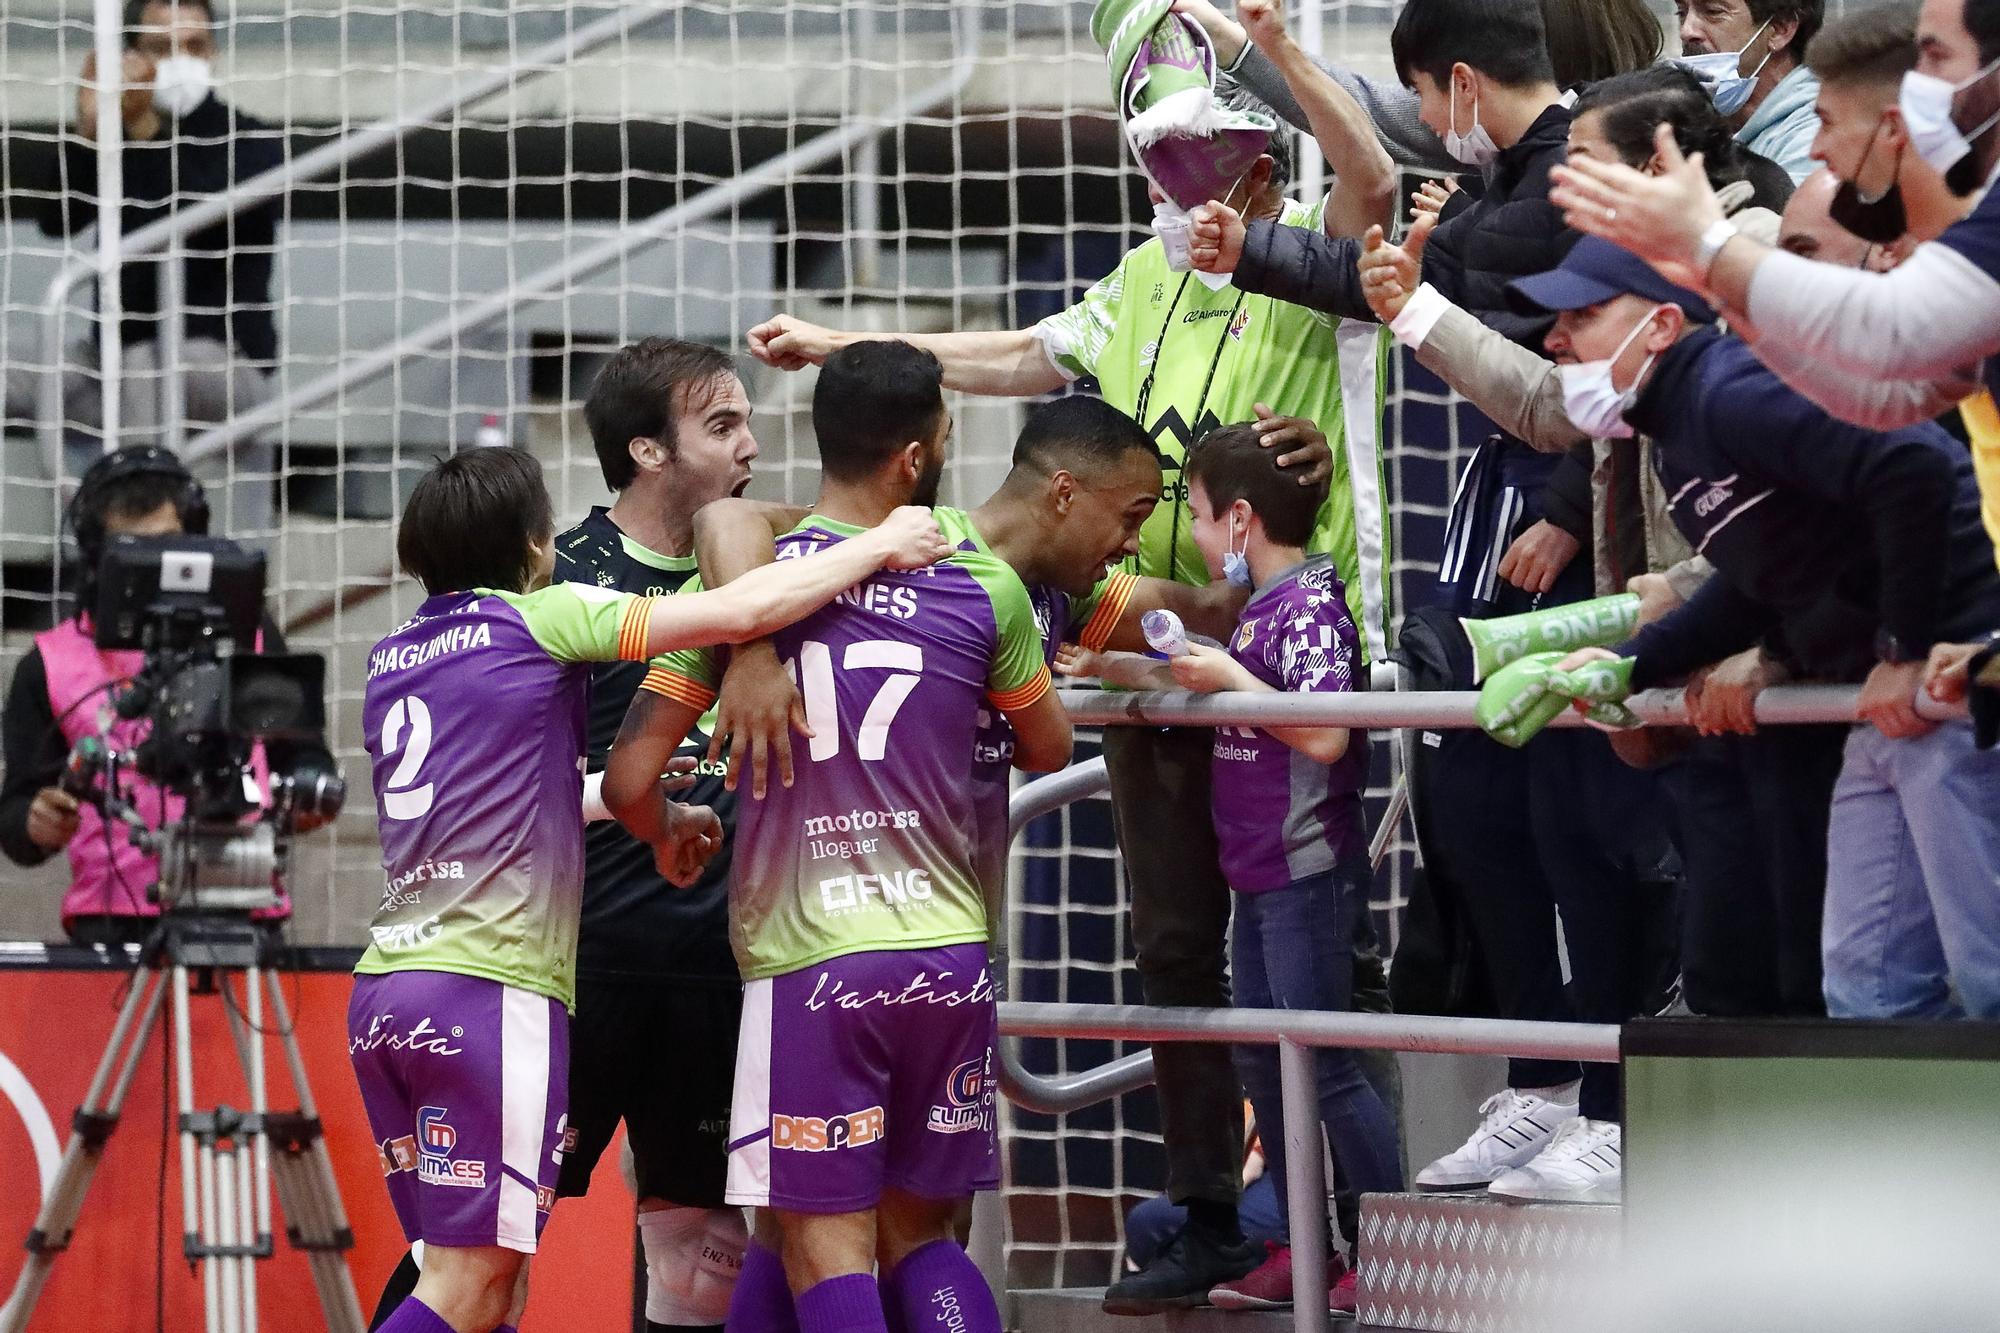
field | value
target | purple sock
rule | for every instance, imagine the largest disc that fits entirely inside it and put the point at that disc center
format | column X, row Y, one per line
column 762, row 1300
column 892, row 1313
column 413, row 1316
column 939, row 1287
column 842, row 1305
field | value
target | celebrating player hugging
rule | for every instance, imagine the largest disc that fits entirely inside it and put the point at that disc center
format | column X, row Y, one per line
column 475, row 717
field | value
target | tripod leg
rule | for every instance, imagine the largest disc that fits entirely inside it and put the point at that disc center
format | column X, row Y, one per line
column 90, row 1129
column 198, row 1220
column 307, row 1190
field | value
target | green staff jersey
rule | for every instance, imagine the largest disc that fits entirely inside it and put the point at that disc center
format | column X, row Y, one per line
column 1211, row 354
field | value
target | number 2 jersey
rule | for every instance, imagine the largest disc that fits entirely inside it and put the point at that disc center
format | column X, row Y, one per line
column 875, row 844
column 474, row 716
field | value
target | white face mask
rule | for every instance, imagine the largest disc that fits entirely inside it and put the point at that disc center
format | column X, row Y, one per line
column 182, row 83
column 1235, row 563
column 1720, row 74
column 1595, row 405
column 1475, row 147
column 1926, row 103
column 1171, row 223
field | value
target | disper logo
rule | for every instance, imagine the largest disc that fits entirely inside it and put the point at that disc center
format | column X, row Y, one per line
column 968, row 1099
column 435, row 1164
column 809, row 1133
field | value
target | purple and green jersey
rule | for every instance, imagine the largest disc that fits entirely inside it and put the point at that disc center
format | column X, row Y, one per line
column 1280, row 815
column 1059, row 618
column 475, row 717
column 875, row 845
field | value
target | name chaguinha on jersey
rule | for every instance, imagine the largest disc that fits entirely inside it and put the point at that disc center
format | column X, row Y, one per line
column 403, row 656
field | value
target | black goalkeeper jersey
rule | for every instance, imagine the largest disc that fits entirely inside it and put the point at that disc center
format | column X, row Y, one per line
column 635, row 924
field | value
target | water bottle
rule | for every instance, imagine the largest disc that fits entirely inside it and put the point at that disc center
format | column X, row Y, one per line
column 489, row 435
column 1164, row 631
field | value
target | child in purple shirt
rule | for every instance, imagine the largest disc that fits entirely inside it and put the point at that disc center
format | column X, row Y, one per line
column 1287, row 807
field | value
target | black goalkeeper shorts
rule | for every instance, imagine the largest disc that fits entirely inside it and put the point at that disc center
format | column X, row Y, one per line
column 661, row 1056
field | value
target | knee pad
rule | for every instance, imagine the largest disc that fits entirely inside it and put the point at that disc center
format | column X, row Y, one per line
column 692, row 1258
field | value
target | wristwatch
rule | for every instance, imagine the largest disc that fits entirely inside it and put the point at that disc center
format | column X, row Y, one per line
column 1713, row 237
column 1898, row 652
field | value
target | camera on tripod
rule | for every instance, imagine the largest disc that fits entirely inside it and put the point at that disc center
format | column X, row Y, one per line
column 192, row 605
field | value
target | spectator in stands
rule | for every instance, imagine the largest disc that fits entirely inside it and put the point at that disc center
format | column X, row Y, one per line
column 1797, row 510
column 1921, row 326
column 1751, row 56
column 1588, row 40
column 61, row 693
column 1153, row 1224
column 1182, row 353
column 182, row 144
column 1287, row 812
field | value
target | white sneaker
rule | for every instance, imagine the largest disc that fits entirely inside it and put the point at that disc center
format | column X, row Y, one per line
column 1584, row 1163
column 1513, row 1127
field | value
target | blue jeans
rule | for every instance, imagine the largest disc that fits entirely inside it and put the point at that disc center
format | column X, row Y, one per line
column 1913, row 878
column 1150, row 1225
column 1290, row 949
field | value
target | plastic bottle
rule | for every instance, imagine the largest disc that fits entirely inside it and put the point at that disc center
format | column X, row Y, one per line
column 1164, row 631
column 490, row 434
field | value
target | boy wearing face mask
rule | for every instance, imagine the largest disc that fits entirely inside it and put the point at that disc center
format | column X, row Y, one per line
column 1287, row 814
column 181, row 143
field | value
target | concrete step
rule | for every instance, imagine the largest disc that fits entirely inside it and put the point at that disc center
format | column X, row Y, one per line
column 1469, row 1263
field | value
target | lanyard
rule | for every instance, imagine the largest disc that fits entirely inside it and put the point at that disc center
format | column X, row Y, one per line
column 1201, row 404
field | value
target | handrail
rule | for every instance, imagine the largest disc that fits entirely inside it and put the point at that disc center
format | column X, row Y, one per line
column 269, row 184
column 965, row 22
column 1439, row 709
column 1595, row 1043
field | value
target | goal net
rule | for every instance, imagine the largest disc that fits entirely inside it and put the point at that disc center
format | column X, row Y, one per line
column 538, row 183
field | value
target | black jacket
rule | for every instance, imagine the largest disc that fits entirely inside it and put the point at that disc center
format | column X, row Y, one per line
column 228, row 266
column 1801, row 512
column 1510, row 231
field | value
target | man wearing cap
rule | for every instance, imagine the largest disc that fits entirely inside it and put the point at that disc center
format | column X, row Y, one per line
column 1183, row 353
column 1801, row 512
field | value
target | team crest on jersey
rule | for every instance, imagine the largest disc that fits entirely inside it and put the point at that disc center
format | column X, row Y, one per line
column 1240, row 323
column 1159, row 292
column 1244, row 635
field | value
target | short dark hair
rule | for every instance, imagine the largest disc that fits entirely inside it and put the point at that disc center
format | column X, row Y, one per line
column 640, row 392
column 135, row 13
column 1875, row 45
column 1982, row 20
column 1231, row 465
column 1080, row 435
column 471, row 519
column 1595, row 39
column 1631, row 107
column 872, row 399
column 1808, row 14
column 1502, row 39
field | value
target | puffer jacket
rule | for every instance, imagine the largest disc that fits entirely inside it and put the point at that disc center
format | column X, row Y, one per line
column 1509, row 231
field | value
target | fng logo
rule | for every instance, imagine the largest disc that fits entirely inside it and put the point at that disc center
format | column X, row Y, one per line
column 809, row 1133
column 435, row 1164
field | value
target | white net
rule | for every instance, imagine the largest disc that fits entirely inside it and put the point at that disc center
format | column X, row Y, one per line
column 541, row 182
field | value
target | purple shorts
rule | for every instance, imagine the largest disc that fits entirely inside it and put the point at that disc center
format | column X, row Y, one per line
column 871, row 1070
column 466, row 1082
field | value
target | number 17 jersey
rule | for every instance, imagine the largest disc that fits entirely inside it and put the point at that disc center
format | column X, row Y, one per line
column 873, row 845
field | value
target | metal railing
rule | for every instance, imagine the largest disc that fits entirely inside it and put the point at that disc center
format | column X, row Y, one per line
column 1298, row 1034
column 856, row 133
column 185, row 222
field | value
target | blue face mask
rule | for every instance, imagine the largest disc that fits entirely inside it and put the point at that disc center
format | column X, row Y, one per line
column 1235, row 566
column 1720, row 74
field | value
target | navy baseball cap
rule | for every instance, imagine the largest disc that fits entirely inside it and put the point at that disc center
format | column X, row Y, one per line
column 1592, row 273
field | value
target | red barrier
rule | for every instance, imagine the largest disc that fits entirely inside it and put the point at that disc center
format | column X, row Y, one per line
column 53, row 1026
